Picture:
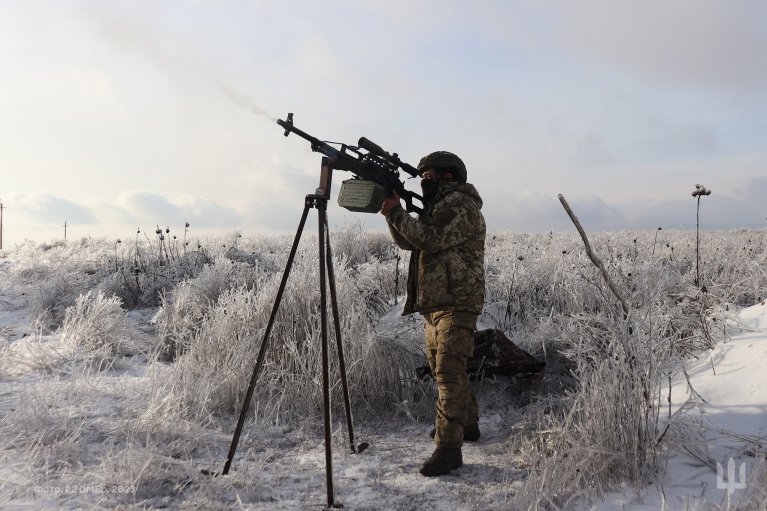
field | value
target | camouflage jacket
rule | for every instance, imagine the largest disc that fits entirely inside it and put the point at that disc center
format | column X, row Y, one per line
column 447, row 264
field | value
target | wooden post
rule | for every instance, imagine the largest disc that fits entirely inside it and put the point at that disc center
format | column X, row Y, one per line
column 326, row 177
column 65, row 229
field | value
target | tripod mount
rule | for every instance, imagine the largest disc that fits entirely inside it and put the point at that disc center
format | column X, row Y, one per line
column 318, row 201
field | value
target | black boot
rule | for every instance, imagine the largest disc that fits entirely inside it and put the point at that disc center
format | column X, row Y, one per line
column 442, row 461
column 470, row 433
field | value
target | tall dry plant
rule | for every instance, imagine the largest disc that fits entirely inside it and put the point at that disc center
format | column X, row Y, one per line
column 699, row 192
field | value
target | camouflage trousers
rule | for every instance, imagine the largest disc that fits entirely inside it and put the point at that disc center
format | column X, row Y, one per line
column 449, row 344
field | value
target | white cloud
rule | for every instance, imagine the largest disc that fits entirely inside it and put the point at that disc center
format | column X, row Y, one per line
column 47, row 208
column 150, row 208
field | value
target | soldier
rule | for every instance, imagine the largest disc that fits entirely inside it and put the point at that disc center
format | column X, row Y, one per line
column 446, row 284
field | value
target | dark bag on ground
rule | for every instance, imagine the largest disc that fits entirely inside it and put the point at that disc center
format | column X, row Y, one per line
column 495, row 354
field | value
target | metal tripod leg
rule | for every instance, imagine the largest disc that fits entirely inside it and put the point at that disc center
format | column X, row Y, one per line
column 326, row 270
column 339, row 344
column 262, row 352
column 322, row 222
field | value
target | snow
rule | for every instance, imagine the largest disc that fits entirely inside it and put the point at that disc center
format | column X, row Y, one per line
column 284, row 469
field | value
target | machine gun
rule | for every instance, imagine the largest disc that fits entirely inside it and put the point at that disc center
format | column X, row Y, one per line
column 376, row 172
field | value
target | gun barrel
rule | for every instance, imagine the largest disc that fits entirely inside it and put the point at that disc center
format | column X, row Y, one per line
column 290, row 128
column 317, row 144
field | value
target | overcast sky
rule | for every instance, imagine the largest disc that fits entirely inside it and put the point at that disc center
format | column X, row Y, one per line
column 118, row 114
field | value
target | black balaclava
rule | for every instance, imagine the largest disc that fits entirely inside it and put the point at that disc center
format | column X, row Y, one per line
column 430, row 187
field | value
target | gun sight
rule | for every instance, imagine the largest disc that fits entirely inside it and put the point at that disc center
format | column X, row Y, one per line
column 377, row 150
column 372, row 147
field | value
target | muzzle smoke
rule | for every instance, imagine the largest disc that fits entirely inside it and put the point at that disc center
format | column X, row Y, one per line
column 246, row 102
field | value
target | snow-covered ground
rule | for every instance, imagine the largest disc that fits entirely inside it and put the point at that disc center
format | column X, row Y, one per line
column 284, row 468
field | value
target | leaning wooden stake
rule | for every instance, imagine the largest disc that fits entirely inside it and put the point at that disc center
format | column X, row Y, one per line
column 592, row 256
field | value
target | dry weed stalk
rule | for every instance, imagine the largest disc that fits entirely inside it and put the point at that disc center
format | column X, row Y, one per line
column 699, row 192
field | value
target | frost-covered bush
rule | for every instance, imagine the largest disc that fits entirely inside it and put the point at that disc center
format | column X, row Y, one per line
column 96, row 324
column 52, row 298
column 183, row 310
column 211, row 377
column 604, row 429
column 54, row 275
column 139, row 274
column 352, row 243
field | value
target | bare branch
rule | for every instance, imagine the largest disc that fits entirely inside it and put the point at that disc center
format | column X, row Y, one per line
column 594, row 259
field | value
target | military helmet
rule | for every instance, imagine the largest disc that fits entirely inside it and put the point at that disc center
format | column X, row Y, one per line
column 445, row 161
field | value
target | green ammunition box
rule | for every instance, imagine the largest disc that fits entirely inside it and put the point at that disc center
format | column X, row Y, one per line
column 361, row 196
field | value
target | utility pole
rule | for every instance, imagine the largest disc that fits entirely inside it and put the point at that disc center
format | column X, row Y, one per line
column 65, row 229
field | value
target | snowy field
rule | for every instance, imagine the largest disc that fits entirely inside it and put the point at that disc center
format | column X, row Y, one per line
column 123, row 365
